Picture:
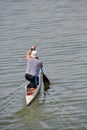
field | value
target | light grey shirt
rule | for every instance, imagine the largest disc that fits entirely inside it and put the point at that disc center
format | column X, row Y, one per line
column 33, row 66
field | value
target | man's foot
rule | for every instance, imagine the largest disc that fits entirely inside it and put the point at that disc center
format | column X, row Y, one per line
column 31, row 91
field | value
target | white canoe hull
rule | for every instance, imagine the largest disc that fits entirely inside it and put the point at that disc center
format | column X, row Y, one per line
column 30, row 98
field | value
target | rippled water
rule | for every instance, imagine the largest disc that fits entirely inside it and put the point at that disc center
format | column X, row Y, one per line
column 59, row 30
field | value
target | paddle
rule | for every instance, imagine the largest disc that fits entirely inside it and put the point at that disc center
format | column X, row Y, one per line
column 45, row 81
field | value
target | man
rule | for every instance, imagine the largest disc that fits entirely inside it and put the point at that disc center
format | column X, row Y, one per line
column 29, row 52
column 33, row 68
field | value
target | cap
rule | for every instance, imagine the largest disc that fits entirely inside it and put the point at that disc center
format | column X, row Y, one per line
column 34, row 54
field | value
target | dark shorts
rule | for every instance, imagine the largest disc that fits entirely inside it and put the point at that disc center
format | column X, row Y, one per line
column 33, row 79
column 29, row 77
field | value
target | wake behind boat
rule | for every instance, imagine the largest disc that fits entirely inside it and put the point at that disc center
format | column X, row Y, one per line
column 32, row 93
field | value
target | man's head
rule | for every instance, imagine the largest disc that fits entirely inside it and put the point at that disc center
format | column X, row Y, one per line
column 34, row 54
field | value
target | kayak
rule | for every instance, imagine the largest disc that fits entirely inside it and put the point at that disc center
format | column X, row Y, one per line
column 31, row 94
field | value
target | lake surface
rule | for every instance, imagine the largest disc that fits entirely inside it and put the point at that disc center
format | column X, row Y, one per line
column 59, row 30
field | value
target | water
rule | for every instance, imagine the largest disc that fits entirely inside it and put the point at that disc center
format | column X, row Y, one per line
column 59, row 30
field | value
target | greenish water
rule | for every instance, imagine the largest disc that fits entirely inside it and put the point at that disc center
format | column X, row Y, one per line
column 59, row 30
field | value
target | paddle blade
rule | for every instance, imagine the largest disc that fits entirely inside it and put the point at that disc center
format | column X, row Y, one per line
column 46, row 86
column 45, row 79
column 46, row 82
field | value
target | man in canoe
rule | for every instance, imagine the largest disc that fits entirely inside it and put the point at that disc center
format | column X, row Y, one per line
column 28, row 55
column 33, row 68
